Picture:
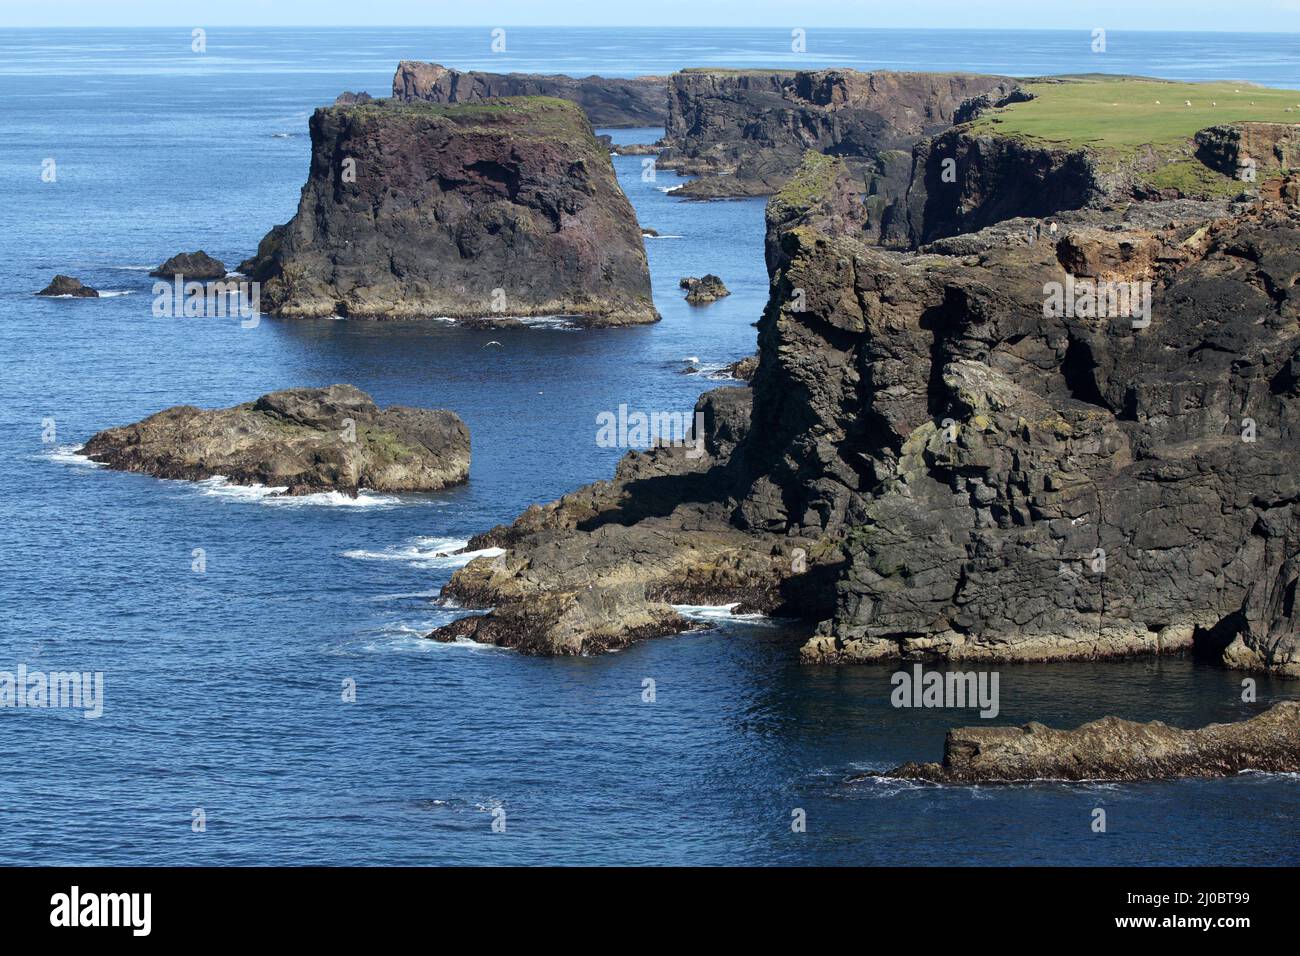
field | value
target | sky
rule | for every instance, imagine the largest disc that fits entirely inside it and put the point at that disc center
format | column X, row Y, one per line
column 1210, row 15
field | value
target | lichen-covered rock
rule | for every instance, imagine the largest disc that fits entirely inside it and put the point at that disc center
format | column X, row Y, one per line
column 491, row 212
column 304, row 439
column 67, row 285
column 1115, row 749
column 191, row 265
column 608, row 101
column 701, row 291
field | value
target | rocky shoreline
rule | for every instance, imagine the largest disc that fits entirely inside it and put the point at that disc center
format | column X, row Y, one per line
column 1113, row 749
column 307, row 440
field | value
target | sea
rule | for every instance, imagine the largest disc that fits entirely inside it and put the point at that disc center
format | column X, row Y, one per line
column 268, row 696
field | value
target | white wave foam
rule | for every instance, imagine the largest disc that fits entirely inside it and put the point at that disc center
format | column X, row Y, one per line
column 114, row 293
column 715, row 613
column 220, row 487
column 644, row 236
column 71, row 455
column 426, row 552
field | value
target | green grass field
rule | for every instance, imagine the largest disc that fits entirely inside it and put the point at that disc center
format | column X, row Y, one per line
column 1122, row 114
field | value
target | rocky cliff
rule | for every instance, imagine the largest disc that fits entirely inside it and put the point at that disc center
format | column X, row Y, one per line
column 641, row 101
column 489, row 212
column 744, row 132
column 976, row 451
column 303, row 439
column 1070, row 143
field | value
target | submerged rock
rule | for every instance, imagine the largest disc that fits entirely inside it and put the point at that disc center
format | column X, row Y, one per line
column 490, row 212
column 640, row 101
column 308, row 439
column 1114, row 749
column 67, row 285
column 191, row 265
column 704, row 290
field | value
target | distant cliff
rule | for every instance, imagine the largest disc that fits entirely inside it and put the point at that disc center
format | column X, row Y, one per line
column 488, row 212
column 641, row 101
column 745, row 131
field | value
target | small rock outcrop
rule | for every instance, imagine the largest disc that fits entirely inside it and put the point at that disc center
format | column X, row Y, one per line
column 191, row 265
column 490, row 212
column 743, row 369
column 1115, row 749
column 67, row 285
column 306, row 439
column 704, row 290
column 641, row 101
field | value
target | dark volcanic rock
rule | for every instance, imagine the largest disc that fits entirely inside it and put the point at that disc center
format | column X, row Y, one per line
column 641, row 101
column 972, row 474
column 191, row 265
column 745, row 131
column 1115, row 749
column 602, row 567
column 67, row 285
column 489, row 212
column 348, row 98
column 308, row 439
column 704, row 290
column 743, row 369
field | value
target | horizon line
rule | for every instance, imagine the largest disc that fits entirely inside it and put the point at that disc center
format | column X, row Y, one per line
column 620, row 26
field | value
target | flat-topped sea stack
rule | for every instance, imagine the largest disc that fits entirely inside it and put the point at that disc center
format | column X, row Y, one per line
column 744, row 131
column 306, row 440
column 491, row 212
column 1115, row 749
column 607, row 101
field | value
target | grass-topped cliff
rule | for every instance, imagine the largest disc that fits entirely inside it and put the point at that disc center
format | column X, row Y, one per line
column 1149, row 125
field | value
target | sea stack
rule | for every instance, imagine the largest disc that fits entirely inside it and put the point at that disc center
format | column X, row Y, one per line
column 303, row 439
column 67, row 285
column 491, row 212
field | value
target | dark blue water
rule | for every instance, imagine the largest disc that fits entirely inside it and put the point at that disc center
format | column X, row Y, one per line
column 223, row 689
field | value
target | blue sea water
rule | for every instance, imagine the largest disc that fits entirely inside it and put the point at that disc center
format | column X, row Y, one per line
column 223, row 690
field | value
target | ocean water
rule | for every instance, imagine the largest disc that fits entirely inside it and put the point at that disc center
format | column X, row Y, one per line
column 223, row 689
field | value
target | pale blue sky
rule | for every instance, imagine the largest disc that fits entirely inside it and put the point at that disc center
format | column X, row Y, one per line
column 1213, row 15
